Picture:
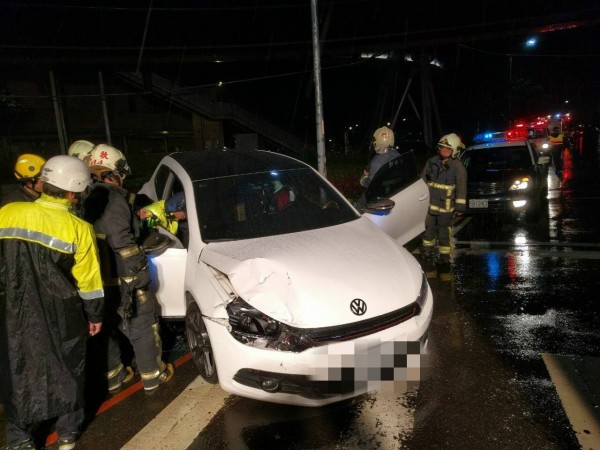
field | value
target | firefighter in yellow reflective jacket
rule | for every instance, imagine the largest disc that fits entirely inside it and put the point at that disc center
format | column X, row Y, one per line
column 51, row 299
column 446, row 177
column 165, row 213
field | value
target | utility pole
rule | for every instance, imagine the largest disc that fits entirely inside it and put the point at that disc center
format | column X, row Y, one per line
column 318, row 97
column 58, row 112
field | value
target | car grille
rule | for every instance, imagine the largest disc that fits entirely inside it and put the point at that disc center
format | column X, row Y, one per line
column 364, row 328
column 355, row 330
column 489, row 188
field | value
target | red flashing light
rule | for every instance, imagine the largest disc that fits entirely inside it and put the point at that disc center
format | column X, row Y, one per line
column 517, row 134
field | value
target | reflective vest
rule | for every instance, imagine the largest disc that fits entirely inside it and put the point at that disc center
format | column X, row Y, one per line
column 161, row 218
column 558, row 139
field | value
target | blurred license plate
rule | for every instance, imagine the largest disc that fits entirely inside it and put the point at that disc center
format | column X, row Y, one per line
column 478, row 203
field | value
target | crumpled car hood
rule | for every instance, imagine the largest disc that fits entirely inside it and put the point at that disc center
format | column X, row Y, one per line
column 308, row 279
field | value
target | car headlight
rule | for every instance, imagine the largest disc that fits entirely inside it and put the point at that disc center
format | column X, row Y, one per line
column 254, row 328
column 545, row 145
column 519, row 184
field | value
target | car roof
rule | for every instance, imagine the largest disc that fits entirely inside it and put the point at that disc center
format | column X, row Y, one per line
column 499, row 143
column 205, row 164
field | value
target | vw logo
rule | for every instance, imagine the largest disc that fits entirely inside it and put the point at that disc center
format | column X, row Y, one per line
column 358, row 306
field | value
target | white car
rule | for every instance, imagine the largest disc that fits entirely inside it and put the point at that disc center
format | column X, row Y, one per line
column 289, row 294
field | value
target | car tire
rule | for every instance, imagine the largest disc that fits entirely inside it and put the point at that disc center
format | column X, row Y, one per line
column 199, row 344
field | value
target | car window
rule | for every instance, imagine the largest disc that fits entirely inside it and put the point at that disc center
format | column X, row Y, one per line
column 393, row 177
column 267, row 203
column 498, row 158
column 160, row 180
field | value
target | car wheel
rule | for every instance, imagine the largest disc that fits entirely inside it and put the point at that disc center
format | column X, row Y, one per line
column 199, row 344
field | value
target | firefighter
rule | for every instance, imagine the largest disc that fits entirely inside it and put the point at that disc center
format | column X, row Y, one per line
column 130, row 305
column 51, row 299
column 446, row 177
column 556, row 140
column 165, row 213
column 81, row 149
column 27, row 173
column 383, row 144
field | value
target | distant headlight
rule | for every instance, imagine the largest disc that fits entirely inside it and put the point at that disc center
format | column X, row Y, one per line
column 254, row 328
column 545, row 145
column 521, row 183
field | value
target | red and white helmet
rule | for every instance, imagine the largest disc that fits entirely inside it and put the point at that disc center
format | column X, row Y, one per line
column 105, row 158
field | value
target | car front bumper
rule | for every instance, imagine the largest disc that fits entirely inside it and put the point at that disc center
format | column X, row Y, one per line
column 327, row 373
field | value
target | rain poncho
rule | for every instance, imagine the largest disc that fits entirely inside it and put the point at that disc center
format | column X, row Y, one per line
column 50, row 288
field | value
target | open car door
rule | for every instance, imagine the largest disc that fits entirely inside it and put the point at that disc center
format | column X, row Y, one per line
column 167, row 267
column 397, row 199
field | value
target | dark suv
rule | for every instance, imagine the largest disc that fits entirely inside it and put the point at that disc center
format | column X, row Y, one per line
column 506, row 176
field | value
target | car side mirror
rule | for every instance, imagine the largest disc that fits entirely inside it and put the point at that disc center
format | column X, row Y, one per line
column 380, row 206
column 544, row 160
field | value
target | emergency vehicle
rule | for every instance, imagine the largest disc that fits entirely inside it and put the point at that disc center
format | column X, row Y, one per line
column 538, row 130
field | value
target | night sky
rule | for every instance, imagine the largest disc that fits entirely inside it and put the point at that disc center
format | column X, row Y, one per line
column 261, row 53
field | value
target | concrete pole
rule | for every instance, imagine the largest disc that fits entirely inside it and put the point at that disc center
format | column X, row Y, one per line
column 104, row 109
column 318, row 97
column 58, row 112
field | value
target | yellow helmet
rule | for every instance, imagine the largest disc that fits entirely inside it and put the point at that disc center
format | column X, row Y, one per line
column 80, row 149
column 28, row 166
column 383, row 139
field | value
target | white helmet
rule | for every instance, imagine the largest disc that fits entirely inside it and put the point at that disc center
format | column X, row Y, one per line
column 67, row 173
column 80, row 149
column 451, row 141
column 383, row 139
column 106, row 158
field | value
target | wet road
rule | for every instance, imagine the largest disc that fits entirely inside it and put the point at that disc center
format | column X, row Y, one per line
column 517, row 291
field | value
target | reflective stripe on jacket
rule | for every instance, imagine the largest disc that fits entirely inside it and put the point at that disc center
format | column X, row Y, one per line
column 447, row 185
column 49, row 222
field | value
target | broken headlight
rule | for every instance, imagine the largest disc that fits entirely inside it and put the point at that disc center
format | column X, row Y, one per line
column 252, row 327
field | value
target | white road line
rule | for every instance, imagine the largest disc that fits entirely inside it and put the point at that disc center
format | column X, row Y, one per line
column 573, row 386
column 176, row 427
column 532, row 252
column 528, row 244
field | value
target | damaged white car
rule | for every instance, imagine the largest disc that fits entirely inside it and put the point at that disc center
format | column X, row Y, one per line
column 289, row 294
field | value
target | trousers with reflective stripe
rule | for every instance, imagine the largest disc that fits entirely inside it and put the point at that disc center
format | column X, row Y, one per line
column 438, row 229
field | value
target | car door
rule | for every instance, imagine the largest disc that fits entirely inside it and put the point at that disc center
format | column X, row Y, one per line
column 168, row 268
column 399, row 181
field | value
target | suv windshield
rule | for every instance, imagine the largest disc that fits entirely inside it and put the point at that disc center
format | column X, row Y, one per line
column 498, row 158
column 267, row 203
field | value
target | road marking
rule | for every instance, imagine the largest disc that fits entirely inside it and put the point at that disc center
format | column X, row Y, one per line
column 176, row 427
column 460, row 225
column 118, row 398
column 574, row 387
column 528, row 244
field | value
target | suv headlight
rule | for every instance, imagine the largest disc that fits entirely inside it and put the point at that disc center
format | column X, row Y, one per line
column 520, row 183
column 254, row 328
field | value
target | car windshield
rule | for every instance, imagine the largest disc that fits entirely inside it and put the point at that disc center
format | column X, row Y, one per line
column 497, row 158
column 267, row 203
